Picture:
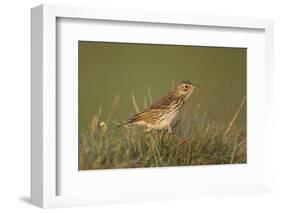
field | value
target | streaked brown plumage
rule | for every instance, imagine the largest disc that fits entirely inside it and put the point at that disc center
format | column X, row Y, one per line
column 161, row 114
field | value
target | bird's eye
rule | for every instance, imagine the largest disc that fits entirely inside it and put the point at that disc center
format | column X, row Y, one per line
column 185, row 86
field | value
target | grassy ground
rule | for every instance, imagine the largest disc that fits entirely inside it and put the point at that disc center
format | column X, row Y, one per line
column 198, row 139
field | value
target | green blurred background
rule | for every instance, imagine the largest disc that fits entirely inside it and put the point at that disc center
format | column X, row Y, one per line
column 107, row 70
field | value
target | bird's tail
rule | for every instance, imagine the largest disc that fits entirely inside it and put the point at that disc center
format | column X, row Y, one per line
column 125, row 124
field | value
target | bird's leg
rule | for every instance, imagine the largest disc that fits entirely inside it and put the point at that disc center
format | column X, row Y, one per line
column 166, row 136
column 170, row 131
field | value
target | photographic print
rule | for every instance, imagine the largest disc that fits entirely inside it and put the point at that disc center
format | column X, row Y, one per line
column 158, row 105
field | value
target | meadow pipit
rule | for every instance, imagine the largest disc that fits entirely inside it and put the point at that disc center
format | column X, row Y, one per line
column 162, row 113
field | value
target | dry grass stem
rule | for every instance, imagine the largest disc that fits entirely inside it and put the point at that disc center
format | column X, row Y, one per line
column 149, row 95
column 234, row 117
column 135, row 103
column 113, row 107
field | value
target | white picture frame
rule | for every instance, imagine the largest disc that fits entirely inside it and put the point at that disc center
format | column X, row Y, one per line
column 45, row 165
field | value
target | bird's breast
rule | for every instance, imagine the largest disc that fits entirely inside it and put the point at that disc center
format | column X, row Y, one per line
column 167, row 119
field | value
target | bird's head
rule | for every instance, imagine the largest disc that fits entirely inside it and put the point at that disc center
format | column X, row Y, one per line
column 185, row 88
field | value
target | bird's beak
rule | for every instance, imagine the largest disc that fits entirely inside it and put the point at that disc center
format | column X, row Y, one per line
column 195, row 85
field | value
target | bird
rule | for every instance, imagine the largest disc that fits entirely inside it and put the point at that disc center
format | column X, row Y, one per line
column 161, row 114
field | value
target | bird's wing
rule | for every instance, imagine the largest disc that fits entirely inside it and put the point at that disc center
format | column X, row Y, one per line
column 148, row 115
column 163, row 102
column 155, row 111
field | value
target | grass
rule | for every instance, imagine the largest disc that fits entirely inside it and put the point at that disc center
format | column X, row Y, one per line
column 198, row 139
